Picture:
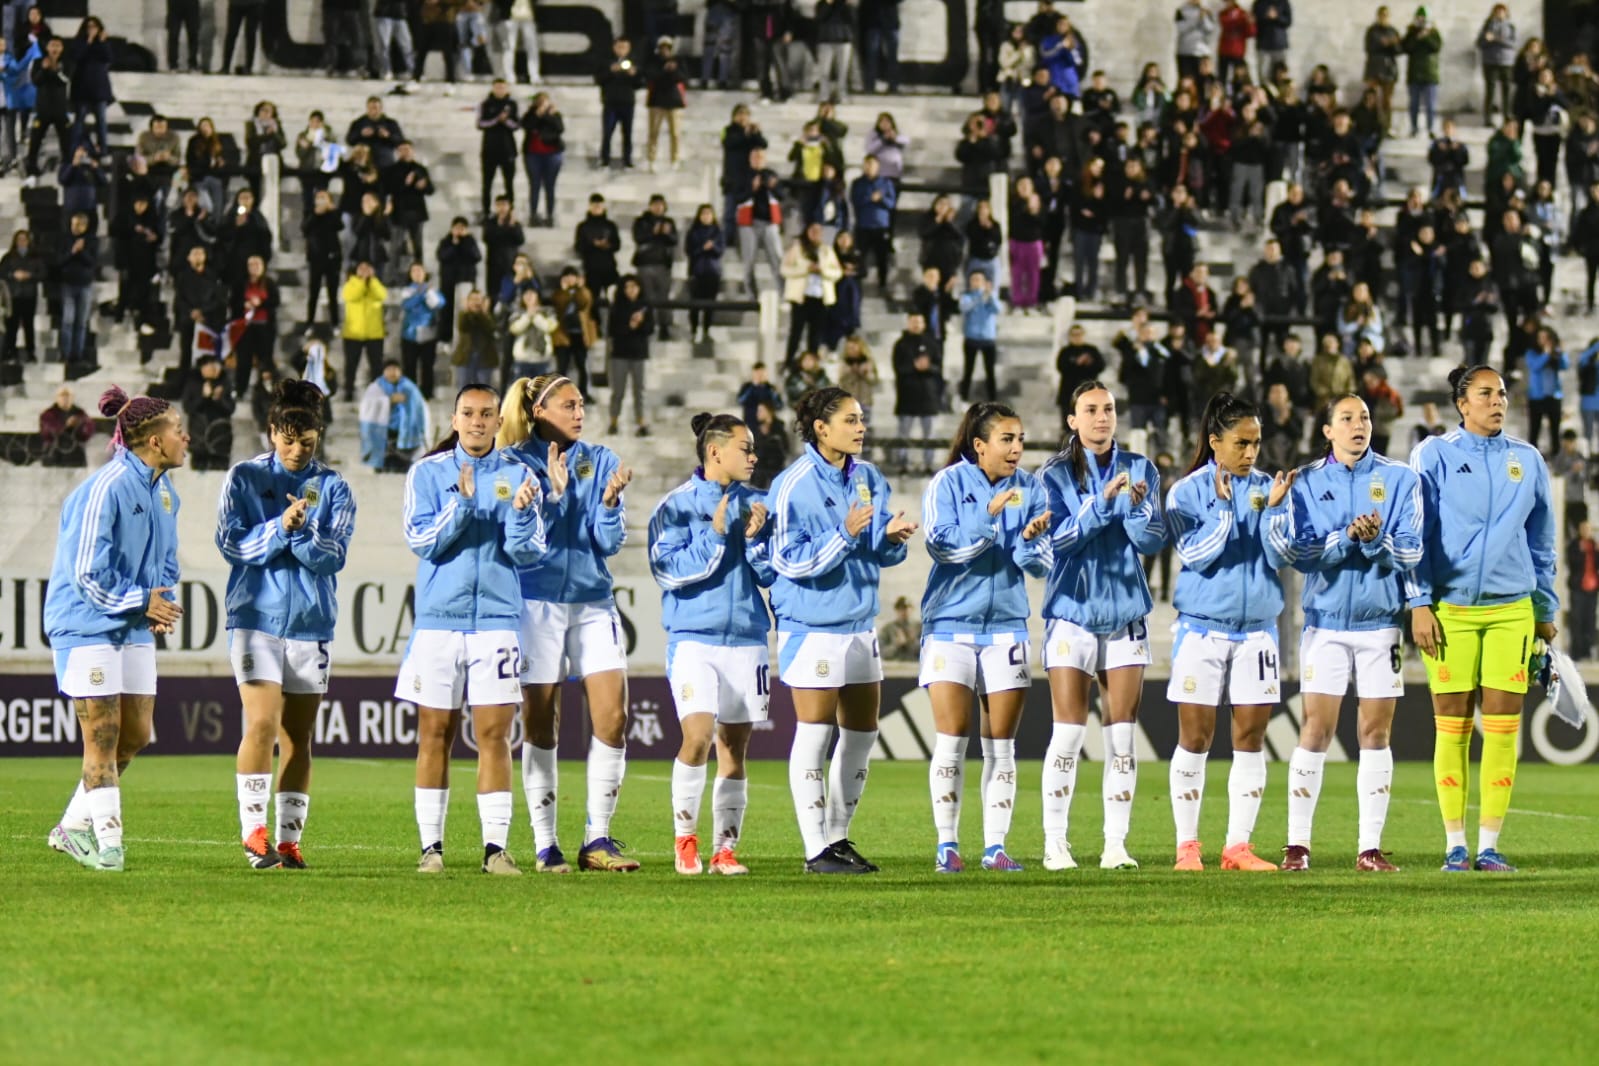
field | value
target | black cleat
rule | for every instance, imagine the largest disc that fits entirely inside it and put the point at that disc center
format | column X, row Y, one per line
column 830, row 861
column 846, row 851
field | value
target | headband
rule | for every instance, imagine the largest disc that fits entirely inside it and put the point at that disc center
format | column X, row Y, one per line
column 539, row 400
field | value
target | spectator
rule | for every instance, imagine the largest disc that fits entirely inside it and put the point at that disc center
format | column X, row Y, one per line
column 1331, row 374
column 666, row 95
column 1449, row 159
column 1146, row 372
column 631, row 326
column 1582, row 585
column 901, row 639
column 1290, row 370
column 263, row 136
column 844, row 317
column 1026, row 251
column 199, row 303
column 363, row 296
column 1216, row 369
column 1179, row 238
column 496, row 117
column 394, row 421
column 619, row 81
column 739, row 137
column 190, row 225
column 772, row 446
column 80, row 180
column 477, row 343
column 254, row 303
column 879, row 21
column 721, row 52
column 183, row 16
column 318, row 156
column 1194, row 303
column 1496, row 48
column 1236, row 27
column 1479, row 303
column 163, row 155
column 704, row 246
column 408, row 185
column 1241, row 328
column 654, row 248
column 471, row 33
column 1428, row 255
column 1076, row 362
column 597, row 240
column 377, row 131
column 245, row 15
column 810, row 274
column 1132, row 200
column 980, row 332
column 51, row 87
column 760, row 221
column 75, row 267
column 756, row 391
column 208, row 406
column 858, row 374
column 513, row 285
column 420, row 304
column 1548, row 114
column 980, row 155
column 1330, row 289
column 1588, row 395
column 984, row 240
column 1282, row 431
column 64, row 428
column 1063, row 56
column 829, row 204
column 1196, row 37
column 138, row 232
column 1585, row 240
column 392, row 29
column 91, row 81
column 835, row 43
column 796, row 66
column 1089, row 222
column 436, row 33
column 1361, row 319
column 808, row 154
column 943, row 245
column 344, row 34
column 531, row 326
column 21, row 270
column 1421, row 45
column 918, row 391
column 370, row 235
column 458, row 257
column 514, row 22
column 1382, row 64
column 872, row 196
column 804, row 375
column 575, row 329
column 1582, row 161
column 1515, row 267
column 502, row 240
column 1544, row 364
column 1272, row 19
column 543, row 152
column 1385, row 404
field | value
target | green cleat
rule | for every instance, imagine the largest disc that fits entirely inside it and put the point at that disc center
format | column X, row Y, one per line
column 78, row 843
column 110, row 859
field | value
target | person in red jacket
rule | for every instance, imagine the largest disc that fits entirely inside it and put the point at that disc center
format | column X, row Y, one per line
column 64, row 427
column 1237, row 27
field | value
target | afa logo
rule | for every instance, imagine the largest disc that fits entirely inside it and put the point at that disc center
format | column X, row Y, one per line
column 1063, row 648
column 1190, row 686
column 1309, row 672
column 938, row 662
column 686, row 692
column 1257, row 501
column 313, row 495
column 1513, row 468
column 97, row 677
column 502, row 489
column 863, row 492
column 823, row 668
column 585, row 470
column 166, row 498
column 1015, row 499
column 416, row 684
column 1379, row 492
column 247, row 663
column 644, row 724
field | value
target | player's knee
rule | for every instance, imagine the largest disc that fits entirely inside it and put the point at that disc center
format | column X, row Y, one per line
column 132, row 740
column 1374, row 735
column 433, row 730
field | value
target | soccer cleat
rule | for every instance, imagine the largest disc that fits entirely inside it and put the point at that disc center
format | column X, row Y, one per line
column 501, row 864
column 1188, row 857
column 551, row 861
column 830, row 861
column 1295, row 857
column 78, row 843
column 994, row 858
column 1457, row 861
column 1373, row 861
column 1115, row 857
column 432, row 861
column 948, row 860
column 289, row 853
column 1058, row 855
column 688, row 855
column 603, row 853
column 1490, row 861
column 726, row 863
column 110, row 859
column 1242, row 857
column 258, row 850
column 846, row 851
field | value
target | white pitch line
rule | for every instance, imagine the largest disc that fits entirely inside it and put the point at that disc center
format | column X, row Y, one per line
column 668, row 780
column 1520, row 810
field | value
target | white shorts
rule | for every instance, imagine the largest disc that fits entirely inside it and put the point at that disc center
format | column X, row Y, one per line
column 561, row 641
column 444, row 669
column 828, row 660
column 99, row 671
column 300, row 666
column 1204, row 663
column 1327, row 656
column 983, row 668
column 733, row 685
column 1067, row 644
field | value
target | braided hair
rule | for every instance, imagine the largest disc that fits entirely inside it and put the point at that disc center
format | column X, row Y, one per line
column 135, row 417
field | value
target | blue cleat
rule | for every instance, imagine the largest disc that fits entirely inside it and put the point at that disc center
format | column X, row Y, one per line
column 1490, row 861
column 994, row 858
column 949, row 859
column 1458, row 861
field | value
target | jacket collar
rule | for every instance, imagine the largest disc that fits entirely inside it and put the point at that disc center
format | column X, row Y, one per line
column 465, row 458
column 1362, row 465
column 139, row 466
column 1479, row 442
column 828, row 468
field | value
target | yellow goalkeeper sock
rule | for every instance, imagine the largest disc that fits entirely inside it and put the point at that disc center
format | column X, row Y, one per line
column 1451, row 764
column 1499, row 732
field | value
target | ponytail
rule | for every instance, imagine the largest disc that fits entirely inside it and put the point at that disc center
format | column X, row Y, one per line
column 712, row 429
column 976, row 425
column 1223, row 412
column 517, row 424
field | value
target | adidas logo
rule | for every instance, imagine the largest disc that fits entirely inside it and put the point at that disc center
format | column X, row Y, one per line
column 969, row 498
column 1465, row 468
column 1301, row 793
column 1326, row 497
column 1121, row 797
column 829, row 502
column 949, row 797
column 138, row 508
column 1002, row 805
column 1449, row 782
column 1504, row 782
column 1191, row 796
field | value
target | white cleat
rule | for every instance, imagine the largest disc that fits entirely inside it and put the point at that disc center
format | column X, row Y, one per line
column 1115, row 857
column 1058, row 855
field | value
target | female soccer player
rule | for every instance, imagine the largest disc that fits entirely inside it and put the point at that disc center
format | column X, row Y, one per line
column 284, row 526
column 1484, row 589
column 570, row 628
column 1095, row 608
column 985, row 522
column 832, row 534
column 473, row 514
column 116, row 564
column 1228, row 599
column 710, row 553
column 1355, row 528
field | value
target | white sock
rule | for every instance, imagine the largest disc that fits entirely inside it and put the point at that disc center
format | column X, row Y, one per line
column 293, row 807
column 606, row 767
column 1374, row 784
column 729, row 797
column 494, row 811
column 807, row 782
column 431, row 806
column 1060, row 778
column 253, row 791
column 539, row 774
column 1120, row 782
column 1487, row 839
column 987, row 745
column 1187, row 791
column 1454, row 838
column 999, row 798
column 1246, row 786
column 1304, row 788
column 105, row 812
column 688, row 789
column 946, row 778
column 851, row 765
column 77, row 815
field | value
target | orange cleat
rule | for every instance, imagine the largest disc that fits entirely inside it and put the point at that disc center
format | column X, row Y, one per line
column 289, row 852
column 1243, row 857
column 688, row 855
column 726, row 863
column 1188, row 857
column 258, row 850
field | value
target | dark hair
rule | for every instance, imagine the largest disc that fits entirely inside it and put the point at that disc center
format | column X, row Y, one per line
column 712, row 429
column 135, row 417
column 1076, row 457
column 453, row 438
column 296, row 408
column 1223, row 412
column 1460, row 380
column 976, row 425
column 817, row 405
column 1325, row 416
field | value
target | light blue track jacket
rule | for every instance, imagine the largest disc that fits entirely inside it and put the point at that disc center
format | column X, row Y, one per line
column 118, row 542
column 470, row 549
column 1229, row 578
column 1097, row 581
column 1489, row 534
column 284, row 583
column 827, row 579
column 711, row 582
column 582, row 531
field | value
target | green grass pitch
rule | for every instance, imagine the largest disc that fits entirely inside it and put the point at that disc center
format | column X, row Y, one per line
column 192, row 957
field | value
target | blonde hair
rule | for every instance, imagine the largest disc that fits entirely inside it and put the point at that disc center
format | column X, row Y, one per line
column 517, row 424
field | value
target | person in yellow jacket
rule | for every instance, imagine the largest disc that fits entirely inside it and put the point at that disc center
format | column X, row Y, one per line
column 810, row 273
column 363, row 326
